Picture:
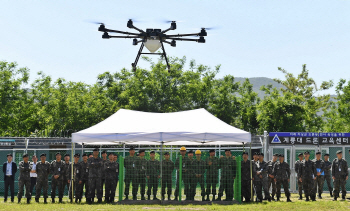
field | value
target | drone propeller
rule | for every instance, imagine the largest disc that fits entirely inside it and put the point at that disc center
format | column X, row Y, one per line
column 169, row 21
column 95, row 22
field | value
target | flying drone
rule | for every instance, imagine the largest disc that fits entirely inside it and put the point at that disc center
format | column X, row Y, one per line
column 152, row 39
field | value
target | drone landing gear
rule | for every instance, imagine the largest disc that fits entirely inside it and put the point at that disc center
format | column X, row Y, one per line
column 140, row 52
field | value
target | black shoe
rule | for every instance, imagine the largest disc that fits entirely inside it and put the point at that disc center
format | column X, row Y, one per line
column 288, row 200
column 330, row 193
column 203, row 198
column 5, row 200
column 37, row 200
column 273, row 198
column 88, row 201
column 307, row 199
column 213, row 199
column 134, row 197
column 76, row 200
column 45, row 201
column 149, row 197
column 53, row 200
column 343, row 198
column 163, row 198
column 19, row 201
column 335, row 199
column 143, row 197
column 176, row 199
column 126, row 197
column 278, row 199
column 269, row 199
column 155, row 198
column 28, row 201
column 169, row 198
column 99, row 201
column 60, row 200
column 218, row 199
column 300, row 197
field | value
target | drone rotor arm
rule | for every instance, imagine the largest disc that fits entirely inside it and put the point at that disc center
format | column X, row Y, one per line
column 124, row 36
column 121, row 32
column 185, row 39
column 182, row 35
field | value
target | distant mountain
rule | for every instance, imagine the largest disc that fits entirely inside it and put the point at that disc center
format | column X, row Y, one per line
column 258, row 82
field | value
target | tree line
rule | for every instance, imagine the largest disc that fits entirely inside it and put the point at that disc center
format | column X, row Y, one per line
column 47, row 105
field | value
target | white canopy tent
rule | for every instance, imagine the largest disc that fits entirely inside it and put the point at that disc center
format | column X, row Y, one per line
column 194, row 127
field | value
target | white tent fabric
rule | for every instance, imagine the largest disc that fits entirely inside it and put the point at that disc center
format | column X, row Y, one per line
column 194, row 127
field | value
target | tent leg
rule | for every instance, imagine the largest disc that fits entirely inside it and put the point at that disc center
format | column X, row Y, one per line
column 161, row 165
column 251, row 173
column 72, row 173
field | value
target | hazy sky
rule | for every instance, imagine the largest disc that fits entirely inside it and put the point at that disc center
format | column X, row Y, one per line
column 254, row 38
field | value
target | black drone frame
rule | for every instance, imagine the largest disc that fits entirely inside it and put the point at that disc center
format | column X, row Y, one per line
column 156, row 34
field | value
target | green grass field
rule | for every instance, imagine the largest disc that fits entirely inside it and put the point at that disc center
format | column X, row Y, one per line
column 324, row 204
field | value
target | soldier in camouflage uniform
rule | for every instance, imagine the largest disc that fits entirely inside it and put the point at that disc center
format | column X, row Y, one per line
column 24, row 178
column 110, row 169
column 189, row 187
column 320, row 167
column 307, row 175
column 199, row 171
column 257, row 178
column 57, row 172
column 67, row 165
column 95, row 165
column 141, row 175
column 131, row 171
column 103, row 181
column 327, row 173
column 84, row 176
column 42, row 182
column 77, row 172
column 297, row 167
column 262, row 172
column 271, row 164
column 281, row 173
column 245, row 177
column 167, row 170
column 115, row 159
column 227, row 165
column 339, row 175
column 212, row 165
column 153, row 175
column 184, row 172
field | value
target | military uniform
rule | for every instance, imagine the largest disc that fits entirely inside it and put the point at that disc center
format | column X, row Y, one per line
column 84, row 179
column 257, row 182
column 110, row 170
column 103, row 180
column 141, row 176
column 153, row 171
column 281, row 172
column 167, row 170
column 228, row 173
column 340, row 172
column 95, row 166
column 24, row 179
column 198, row 174
column 131, row 174
column 246, row 180
column 189, row 187
column 57, row 168
column 263, row 166
column 300, row 184
column 212, row 175
column 307, row 172
column 65, row 179
column 327, row 175
column 320, row 167
column 42, row 182
column 77, row 172
column 184, row 175
column 270, row 165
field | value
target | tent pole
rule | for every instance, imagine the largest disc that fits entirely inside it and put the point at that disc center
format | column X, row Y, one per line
column 124, row 151
column 72, row 174
column 251, row 174
column 161, row 164
column 82, row 150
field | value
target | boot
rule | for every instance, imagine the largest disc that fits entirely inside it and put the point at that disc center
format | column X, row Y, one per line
column 300, row 197
column 278, row 198
column 76, row 200
column 343, row 198
column 28, row 200
column 163, row 197
column 288, row 199
column 155, row 197
column 149, row 197
column 88, row 200
column 169, row 198
column 45, row 200
column 53, row 200
column 60, row 200
column 319, row 196
column 330, row 192
column 269, row 199
column 126, row 197
column 273, row 198
column 176, row 199
column 111, row 200
column 219, row 198
column 213, row 199
column 203, row 199
column 335, row 199
column 143, row 197
column 37, row 200
column 99, row 201
column 19, row 200
column 134, row 197
column 313, row 198
column 307, row 198
column 207, row 197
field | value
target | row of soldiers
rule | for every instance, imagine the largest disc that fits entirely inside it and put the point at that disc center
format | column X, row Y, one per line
column 89, row 173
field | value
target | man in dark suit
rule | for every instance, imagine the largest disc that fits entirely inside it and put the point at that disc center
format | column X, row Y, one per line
column 9, row 168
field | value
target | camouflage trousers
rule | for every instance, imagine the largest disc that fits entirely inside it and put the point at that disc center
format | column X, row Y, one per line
column 141, row 181
column 57, row 183
column 273, row 183
column 300, row 187
column 308, row 186
column 337, row 184
column 246, row 189
column 152, row 183
column 166, row 183
column 285, row 184
column 41, row 183
column 258, row 189
column 265, row 185
column 130, row 179
column 212, row 180
column 77, row 188
column 95, row 187
column 319, row 181
column 110, row 187
column 328, row 179
column 81, row 190
column 21, row 184
column 226, row 184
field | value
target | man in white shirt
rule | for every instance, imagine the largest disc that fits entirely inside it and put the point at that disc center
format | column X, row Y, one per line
column 9, row 169
column 33, row 174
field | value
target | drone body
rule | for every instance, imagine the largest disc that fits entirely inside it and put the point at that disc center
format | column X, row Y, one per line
column 152, row 39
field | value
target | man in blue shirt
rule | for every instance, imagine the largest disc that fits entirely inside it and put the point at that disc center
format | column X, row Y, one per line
column 9, row 168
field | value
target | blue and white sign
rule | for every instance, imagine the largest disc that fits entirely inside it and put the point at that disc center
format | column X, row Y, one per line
column 309, row 138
